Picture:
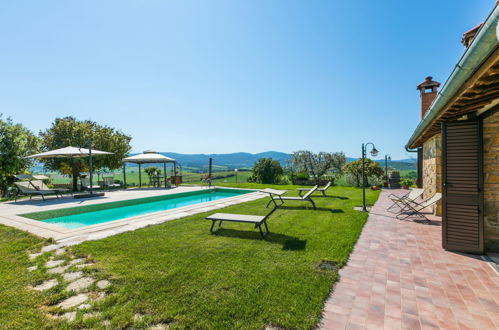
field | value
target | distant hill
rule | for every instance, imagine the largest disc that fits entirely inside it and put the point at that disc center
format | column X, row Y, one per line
column 401, row 165
column 233, row 160
column 246, row 160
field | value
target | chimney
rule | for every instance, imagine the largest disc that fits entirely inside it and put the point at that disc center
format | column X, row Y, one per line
column 469, row 35
column 428, row 90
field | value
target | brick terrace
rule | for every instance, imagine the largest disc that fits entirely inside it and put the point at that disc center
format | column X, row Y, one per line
column 398, row 276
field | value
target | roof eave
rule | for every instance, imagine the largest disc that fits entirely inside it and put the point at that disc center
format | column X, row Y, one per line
column 483, row 44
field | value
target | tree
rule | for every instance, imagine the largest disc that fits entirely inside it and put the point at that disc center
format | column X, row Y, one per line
column 69, row 131
column 266, row 170
column 152, row 171
column 371, row 170
column 316, row 165
column 16, row 142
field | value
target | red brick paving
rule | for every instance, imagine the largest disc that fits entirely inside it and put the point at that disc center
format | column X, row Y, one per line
column 399, row 277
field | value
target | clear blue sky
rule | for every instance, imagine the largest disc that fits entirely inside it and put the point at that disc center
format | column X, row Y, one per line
column 227, row 76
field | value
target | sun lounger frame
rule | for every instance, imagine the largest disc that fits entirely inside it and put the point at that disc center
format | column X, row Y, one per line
column 258, row 221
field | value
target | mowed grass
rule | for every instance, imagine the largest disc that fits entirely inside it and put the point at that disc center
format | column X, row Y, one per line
column 132, row 177
column 18, row 305
column 179, row 274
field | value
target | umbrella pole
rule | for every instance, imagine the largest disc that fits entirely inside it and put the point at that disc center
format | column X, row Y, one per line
column 124, row 176
column 140, row 178
column 90, row 169
column 164, row 173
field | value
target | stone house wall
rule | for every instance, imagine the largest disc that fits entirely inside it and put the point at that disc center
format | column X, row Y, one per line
column 491, row 181
column 432, row 169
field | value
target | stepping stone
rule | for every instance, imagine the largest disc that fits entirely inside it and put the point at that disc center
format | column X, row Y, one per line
column 137, row 317
column 60, row 251
column 58, row 270
column 46, row 285
column 106, row 323
column 91, row 315
column 77, row 261
column 100, row 296
column 80, row 284
column 32, row 268
column 83, row 265
column 159, row 326
column 84, row 306
column 103, row 284
column 33, row 256
column 49, row 248
column 73, row 301
column 53, row 263
column 70, row 316
column 69, row 277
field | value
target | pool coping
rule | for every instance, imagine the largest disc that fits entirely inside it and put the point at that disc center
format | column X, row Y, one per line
column 65, row 236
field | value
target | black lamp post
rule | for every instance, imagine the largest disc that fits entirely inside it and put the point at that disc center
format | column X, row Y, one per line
column 387, row 158
column 374, row 153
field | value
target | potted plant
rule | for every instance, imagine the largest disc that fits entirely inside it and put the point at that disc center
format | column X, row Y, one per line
column 406, row 183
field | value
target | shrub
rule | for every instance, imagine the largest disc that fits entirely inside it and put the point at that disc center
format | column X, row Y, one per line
column 266, row 170
column 406, row 182
column 302, row 176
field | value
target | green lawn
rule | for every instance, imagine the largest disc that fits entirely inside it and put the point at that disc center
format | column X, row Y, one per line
column 177, row 273
column 132, row 177
column 19, row 306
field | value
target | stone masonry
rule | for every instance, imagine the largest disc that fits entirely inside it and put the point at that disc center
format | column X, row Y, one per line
column 491, row 181
column 432, row 169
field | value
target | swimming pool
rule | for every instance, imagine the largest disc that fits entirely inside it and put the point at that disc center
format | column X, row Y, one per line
column 77, row 217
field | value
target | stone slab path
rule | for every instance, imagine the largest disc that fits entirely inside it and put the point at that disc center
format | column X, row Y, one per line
column 399, row 277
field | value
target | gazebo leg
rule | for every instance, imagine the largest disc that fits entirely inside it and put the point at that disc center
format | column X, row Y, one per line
column 124, row 176
column 164, row 173
column 140, row 178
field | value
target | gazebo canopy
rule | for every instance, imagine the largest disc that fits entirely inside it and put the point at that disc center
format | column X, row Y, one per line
column 148, row 157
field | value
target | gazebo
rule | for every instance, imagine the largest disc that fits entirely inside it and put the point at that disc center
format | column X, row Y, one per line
column 149, row 157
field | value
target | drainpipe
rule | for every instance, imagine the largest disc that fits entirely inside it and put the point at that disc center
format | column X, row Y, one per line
column 484, row 43
column 419, row 165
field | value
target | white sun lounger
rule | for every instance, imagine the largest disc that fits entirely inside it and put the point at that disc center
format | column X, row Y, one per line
column 24, row 188
column 39, row 185
column 401, row 201
column 322, row 190
column 275, row 196
column 257, row 220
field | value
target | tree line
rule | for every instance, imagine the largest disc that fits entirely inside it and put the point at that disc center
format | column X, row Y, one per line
column 17, row 142
column 307, row 164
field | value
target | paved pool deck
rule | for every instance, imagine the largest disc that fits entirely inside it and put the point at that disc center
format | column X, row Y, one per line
column 400, row 277
column 9, row 213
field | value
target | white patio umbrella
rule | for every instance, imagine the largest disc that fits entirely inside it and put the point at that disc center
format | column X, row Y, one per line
column 69, row 152
column 72, row 152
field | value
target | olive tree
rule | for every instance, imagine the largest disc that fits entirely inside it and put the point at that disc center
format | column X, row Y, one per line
column 353, row 171
column 69, row 131
column 16, row 142
column 266, row 170
column 316, row 165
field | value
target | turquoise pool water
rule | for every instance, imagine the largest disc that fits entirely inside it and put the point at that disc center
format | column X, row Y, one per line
column 171, row 201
